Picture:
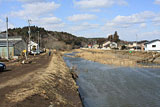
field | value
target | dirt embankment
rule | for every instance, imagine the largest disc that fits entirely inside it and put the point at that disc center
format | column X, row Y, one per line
column 119, row 58
column 50, row 85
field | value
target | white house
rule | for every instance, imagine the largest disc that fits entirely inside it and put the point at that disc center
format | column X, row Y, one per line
column 32, row 45
column 111, row 45
column 153, row 45
column 106, row 43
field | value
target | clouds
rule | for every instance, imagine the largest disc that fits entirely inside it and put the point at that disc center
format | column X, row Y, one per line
column 134, row 19
column 80, row 17
column 83, row 27
column 96, row 4
column 46, row 21
column 145, row 24
column 31, row 1
column 49, row 23
column 41, row 13
column 3, row 25
column 49, row 20
column 157, row 2
column 155, row 34
column 36, row 9
column 85, row 17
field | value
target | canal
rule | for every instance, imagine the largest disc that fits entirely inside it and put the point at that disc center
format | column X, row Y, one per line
column 111, row 86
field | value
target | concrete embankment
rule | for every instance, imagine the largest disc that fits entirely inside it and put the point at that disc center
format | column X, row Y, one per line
column 52, row 86
column 118, row 58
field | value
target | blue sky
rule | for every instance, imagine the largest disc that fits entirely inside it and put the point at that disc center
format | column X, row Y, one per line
column 87, row 18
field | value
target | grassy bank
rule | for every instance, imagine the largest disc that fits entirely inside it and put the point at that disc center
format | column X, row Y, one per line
column 114, row 57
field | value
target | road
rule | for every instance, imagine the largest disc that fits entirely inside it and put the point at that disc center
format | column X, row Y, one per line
column 41, row 83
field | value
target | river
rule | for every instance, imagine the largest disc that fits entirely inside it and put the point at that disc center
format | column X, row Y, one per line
column 111, row 86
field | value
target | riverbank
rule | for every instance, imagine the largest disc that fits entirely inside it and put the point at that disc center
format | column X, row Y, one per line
column 49, row 85
column 103, row 85
column 118, row 58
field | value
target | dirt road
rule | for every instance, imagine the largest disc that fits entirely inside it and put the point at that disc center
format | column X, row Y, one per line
column 46, row 82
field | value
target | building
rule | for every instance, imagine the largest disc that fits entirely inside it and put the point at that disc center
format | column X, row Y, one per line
column 96, row 46
column 110, row 45
column 32, row 46
column 153, row 45
column 89, row 46
column 142, row 44
column 137, row 45
column 16, row 46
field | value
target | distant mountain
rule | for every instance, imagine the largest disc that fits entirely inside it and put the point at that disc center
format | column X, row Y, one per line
column 52, row 39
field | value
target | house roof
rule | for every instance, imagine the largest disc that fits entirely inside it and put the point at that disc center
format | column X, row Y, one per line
column 144, row 41
column 34, row 43
column 10, row 43
column 3, row 36
column 12, row 40
column 152, row 41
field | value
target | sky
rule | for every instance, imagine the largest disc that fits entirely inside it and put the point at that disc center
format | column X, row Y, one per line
column 86, row 18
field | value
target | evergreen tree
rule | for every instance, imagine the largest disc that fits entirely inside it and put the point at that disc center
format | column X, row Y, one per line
column 116, row 37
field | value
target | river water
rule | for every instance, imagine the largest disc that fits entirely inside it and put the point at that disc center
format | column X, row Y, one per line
column 111, row 86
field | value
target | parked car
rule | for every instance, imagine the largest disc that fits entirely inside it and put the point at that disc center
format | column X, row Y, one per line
column 2, row 67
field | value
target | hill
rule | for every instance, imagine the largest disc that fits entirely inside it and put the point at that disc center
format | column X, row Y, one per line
column 52, row 39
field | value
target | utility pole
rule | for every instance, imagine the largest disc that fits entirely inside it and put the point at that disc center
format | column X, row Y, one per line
column 29, row 32
column 38, row 40
column 7, row 43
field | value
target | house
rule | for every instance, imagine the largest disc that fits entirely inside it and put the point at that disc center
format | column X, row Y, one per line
column 16, row 46
column 106, row 44
column 113, row 45
column 89, row 46
column 153, row 45
column 142, row 44
column 110, row 45
column 32, row 46
column 96, row 46
column 136, row 45
column 122, row 46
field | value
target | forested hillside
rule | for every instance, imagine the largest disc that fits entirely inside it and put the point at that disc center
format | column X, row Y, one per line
column 52, row 39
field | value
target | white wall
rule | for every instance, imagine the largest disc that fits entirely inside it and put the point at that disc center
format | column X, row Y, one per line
column 31, row 44
column 149, row 47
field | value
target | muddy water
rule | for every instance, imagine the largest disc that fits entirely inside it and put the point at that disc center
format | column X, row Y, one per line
column 110, row 86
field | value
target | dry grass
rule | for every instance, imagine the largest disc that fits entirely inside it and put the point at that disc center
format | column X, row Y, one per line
column 51, row 83
column 119, row 58
column 106, row 59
